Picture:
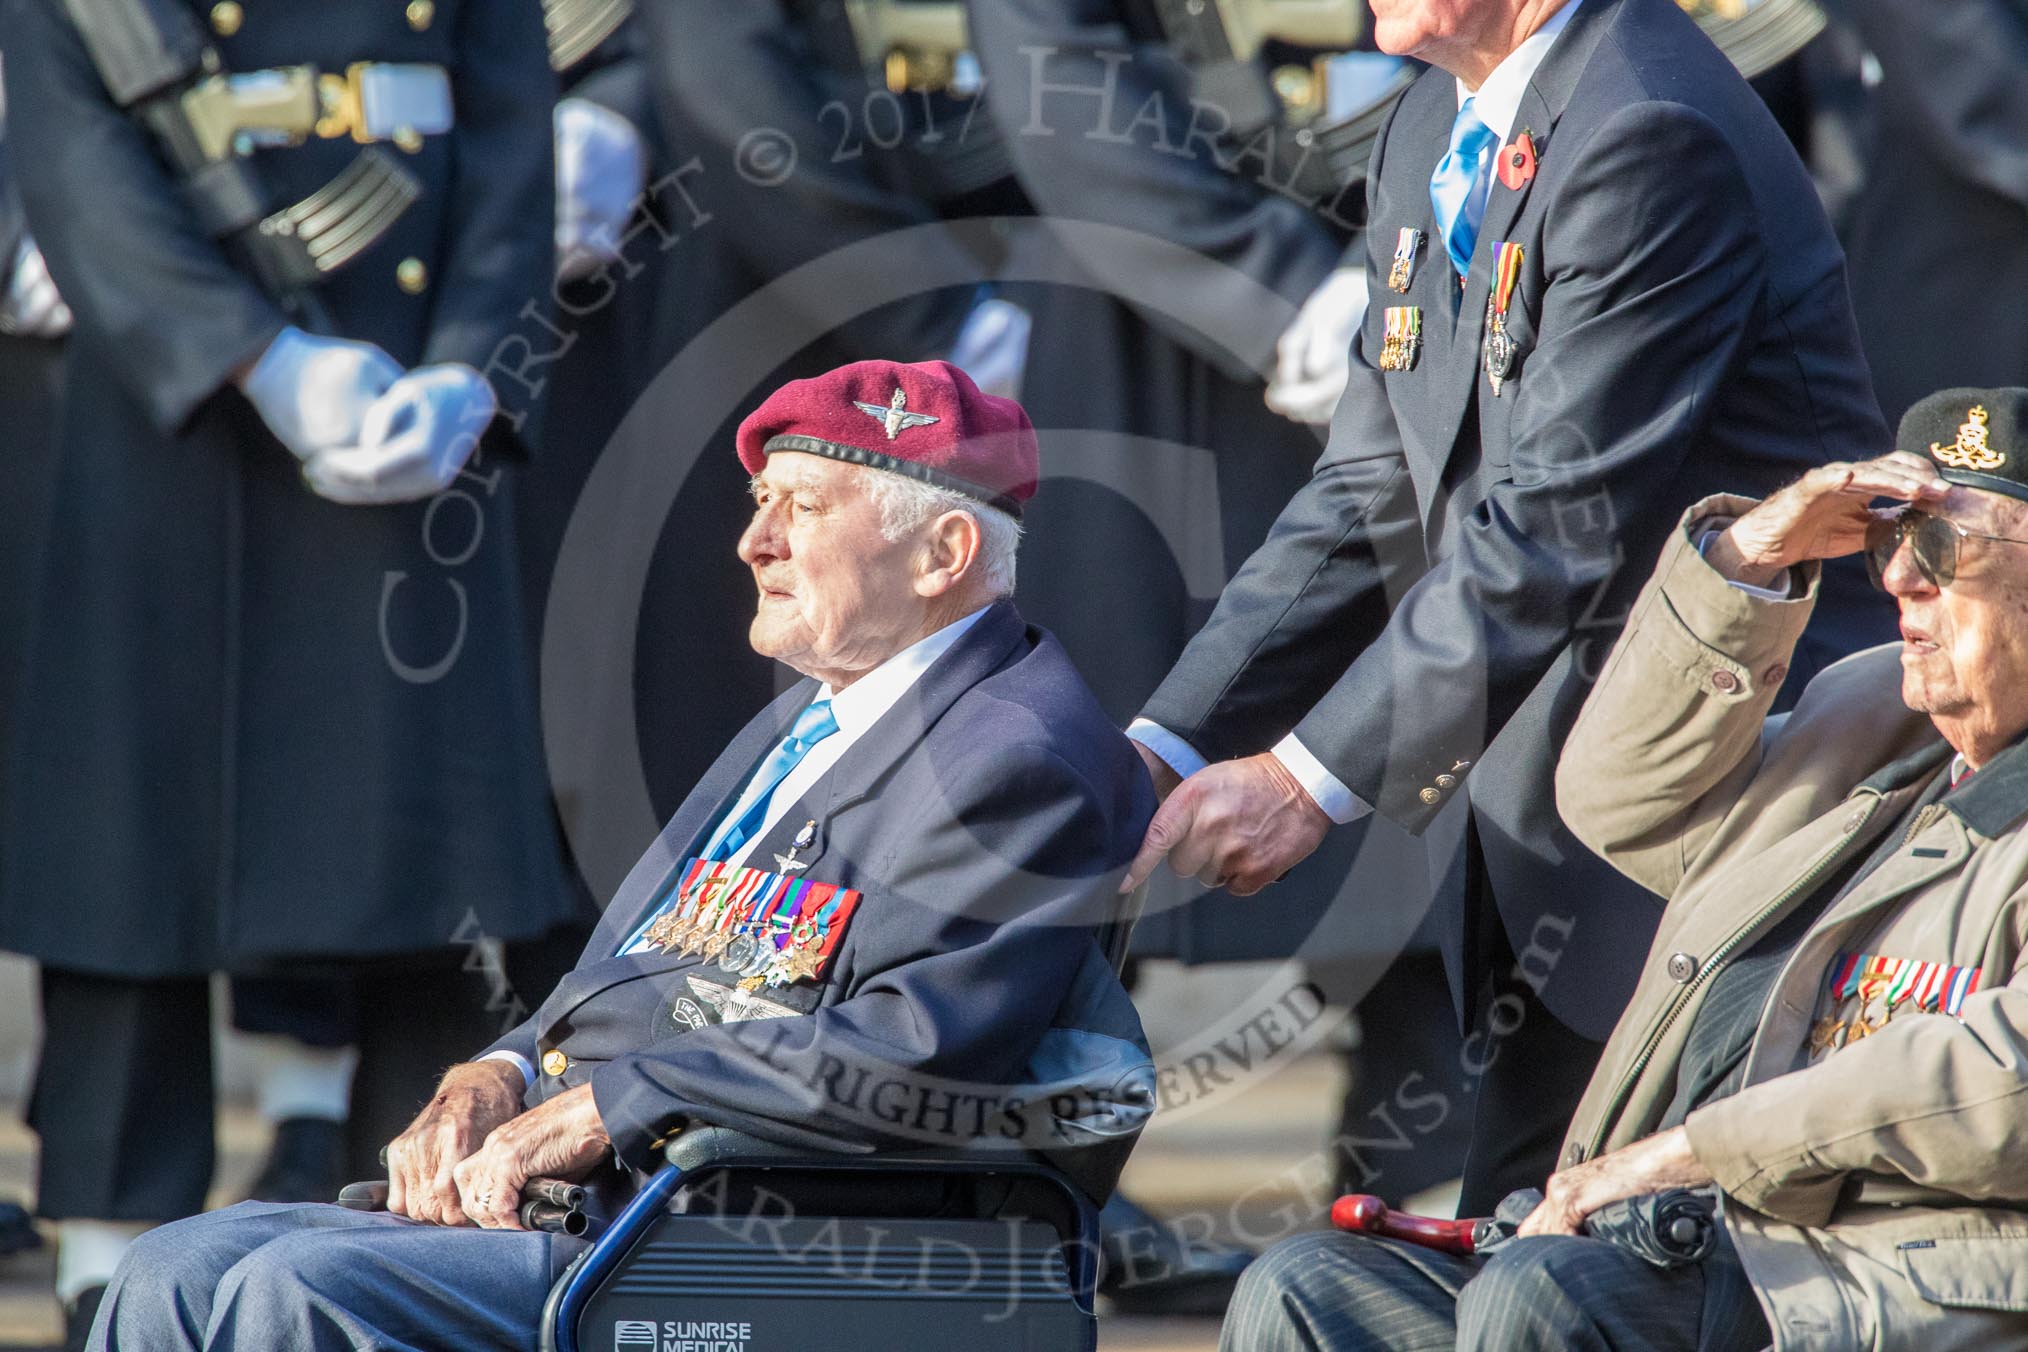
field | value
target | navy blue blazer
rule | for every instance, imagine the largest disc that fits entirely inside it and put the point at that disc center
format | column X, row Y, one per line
column 986, row 819
column 1429, row 612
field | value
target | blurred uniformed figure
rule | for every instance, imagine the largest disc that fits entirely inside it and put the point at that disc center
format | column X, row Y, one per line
column 608, row 272
column 607, row 284
column 718, row 238
column 1937, row 231
column 277, row 705
column 33, row 322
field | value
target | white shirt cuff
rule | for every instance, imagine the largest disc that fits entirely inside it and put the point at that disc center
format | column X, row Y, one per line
column 516, row 1060
column 1181, row 757
column 1340, row 804
column 1777, row 588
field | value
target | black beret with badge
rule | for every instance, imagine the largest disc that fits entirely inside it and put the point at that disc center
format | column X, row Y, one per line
column 1977, row 438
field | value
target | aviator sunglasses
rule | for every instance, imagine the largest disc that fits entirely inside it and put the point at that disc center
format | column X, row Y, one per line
column 1934, row 541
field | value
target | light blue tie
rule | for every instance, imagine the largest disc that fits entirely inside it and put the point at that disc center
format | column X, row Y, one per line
column 812, row 726
column 1454, row 188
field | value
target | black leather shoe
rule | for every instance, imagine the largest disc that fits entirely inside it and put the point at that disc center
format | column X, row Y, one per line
column 77, row 1318
column 1149, row 1270
column 17, row 1229
column 305, row 1164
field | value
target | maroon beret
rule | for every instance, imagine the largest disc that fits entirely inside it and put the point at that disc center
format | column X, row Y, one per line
column 924, row 419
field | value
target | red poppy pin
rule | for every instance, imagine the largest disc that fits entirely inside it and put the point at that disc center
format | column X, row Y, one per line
column 1517, row 161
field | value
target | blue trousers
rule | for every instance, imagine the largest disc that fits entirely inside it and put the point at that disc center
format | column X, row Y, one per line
column 315, row 1277
column 1335, row 1292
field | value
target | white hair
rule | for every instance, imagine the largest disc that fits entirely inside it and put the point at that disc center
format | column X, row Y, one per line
column 906, row 503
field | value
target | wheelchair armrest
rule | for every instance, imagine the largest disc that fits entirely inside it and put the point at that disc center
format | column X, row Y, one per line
column 700, row 1146
column 703, row 1146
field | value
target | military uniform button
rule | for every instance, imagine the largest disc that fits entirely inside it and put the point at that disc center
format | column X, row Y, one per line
column 1446, row 781
column 1573, row 1154
column 1430, row 795
column 1724, row 682
column 1856, row 820
column 421, row 13
column 408, row 138
column 1682, row 967
column 1774, row 675
column 554, row 1062
column 411, row 276
column 226, row 17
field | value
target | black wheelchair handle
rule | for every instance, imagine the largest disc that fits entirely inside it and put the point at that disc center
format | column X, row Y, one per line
column 548, row 1204
column 370, row 1195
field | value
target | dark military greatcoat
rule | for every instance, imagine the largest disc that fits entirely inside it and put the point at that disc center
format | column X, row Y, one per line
column 257, row 723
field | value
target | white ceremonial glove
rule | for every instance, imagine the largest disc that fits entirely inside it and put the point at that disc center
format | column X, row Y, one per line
column 415, row 439
column 1313, row 359
column 30, row 306
column 992, row 347
column 601, row 167
column 313, row 392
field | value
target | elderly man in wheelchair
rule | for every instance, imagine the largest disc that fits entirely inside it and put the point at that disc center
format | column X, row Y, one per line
column 848, row 1062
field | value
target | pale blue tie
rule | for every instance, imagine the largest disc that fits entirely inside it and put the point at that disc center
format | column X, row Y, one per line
column 1454, row 188
column 812, row 726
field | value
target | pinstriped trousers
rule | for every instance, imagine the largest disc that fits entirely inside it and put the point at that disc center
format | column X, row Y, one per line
column 1335, row 1292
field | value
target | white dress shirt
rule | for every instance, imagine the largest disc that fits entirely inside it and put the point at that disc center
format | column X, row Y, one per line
column 857, row 708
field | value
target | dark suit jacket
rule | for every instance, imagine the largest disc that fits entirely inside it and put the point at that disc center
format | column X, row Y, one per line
column 1432, row 607
column 987, row 819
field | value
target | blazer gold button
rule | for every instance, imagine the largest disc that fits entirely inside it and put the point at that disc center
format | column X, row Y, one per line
column 420, row 14
column 408, row 138
column 554, row 1062
column 226, row 17
column 1724, row 682
column 1682, row 967
column 411, row 276
column 1446, row 781
column 1430, row 795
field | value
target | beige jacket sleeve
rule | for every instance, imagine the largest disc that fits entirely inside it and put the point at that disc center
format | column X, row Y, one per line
column 1784, row 1146
column 1672, row 732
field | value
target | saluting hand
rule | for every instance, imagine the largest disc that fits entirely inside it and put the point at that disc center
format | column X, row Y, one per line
column 472, row 1100
column 1823, row 515
column 1239, row 825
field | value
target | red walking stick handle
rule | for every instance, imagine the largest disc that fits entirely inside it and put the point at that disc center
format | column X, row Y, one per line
column 1369, row 1215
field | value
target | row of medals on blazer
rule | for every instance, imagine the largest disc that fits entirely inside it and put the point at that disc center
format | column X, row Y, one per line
column 1401, row 340
column 749, row 947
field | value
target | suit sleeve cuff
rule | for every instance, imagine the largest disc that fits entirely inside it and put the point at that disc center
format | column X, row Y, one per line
column 1777, row 588
column 1731, row 1138
column 516, row 1060
column 1340, row 804
column 1731, row 642
column 1180, row 756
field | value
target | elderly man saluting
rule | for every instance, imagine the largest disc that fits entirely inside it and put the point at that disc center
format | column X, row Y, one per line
column 1832, row 1027
column 893, row 877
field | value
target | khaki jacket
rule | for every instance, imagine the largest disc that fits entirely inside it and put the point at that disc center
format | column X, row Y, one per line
column 1877, row 1191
